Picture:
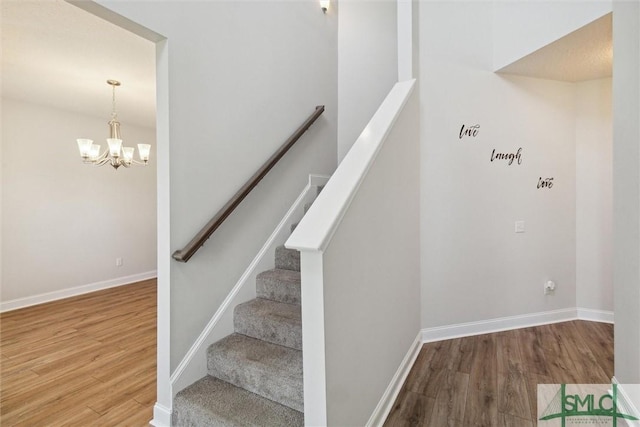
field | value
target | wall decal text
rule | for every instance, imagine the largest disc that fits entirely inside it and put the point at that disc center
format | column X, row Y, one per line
column 510, row 157
column 471, row 131
column 545, row 183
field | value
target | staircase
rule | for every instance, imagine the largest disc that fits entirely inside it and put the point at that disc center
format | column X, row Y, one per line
column 255, row 374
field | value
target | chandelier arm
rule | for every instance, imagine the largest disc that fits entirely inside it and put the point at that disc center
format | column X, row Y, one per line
column 102, row 156
column 101, row 162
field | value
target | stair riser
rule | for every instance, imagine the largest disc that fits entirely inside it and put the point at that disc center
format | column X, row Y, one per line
column 286, row 395
column 270, row 329
column 212, row 402
column 279, row 285
column 287, row 259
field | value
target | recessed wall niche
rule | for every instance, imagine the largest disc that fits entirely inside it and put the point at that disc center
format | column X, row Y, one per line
column 584, row 57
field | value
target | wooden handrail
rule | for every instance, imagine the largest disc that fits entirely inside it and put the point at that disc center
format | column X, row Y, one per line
column 184, row 254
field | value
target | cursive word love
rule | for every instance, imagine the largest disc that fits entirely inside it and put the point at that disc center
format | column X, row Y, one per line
column 471, row 131
column 545, row 183
column 510, row 157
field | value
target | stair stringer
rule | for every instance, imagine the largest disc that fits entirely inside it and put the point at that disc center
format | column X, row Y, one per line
column 194, row 364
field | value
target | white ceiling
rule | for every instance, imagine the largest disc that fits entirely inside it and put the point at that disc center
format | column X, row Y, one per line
column 584, row 54
column 54, row 53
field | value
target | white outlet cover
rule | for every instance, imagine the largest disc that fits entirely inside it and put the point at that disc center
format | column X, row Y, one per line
column 519, row 226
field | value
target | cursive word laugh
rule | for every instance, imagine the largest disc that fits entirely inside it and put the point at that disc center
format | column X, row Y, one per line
column 471, row 131
column 510, row 157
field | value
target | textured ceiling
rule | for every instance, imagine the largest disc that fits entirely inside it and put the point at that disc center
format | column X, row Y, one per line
column 56, row 54
column 584, row 54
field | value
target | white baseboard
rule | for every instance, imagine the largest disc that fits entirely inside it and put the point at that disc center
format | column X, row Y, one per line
column 161, row 416
column 440, row 333
column 604, row 316
column 629, row 405
column 72, row 292
column 459, row 330
column 391, row 393
column 194, row 364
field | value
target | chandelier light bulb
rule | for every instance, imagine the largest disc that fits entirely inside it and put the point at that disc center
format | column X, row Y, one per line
column 143, row 152
column 94, row 152
column 84, row 145
column 127, row 153
column 114, row 147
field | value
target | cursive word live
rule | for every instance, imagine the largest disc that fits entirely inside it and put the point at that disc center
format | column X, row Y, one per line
column 471, row 131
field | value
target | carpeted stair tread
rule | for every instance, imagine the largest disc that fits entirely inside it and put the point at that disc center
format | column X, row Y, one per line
column 279, row 285
column 270, row 370
column 287, row 259
column 212, row 402
column 271, row 321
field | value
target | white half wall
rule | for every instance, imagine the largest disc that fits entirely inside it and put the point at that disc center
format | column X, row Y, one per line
column 522, row 27
column 371, row 279
column 626, row 189
column 360, row 270
column 474, row 266
column 367, row 63
column 594, row 195
column 64, row 223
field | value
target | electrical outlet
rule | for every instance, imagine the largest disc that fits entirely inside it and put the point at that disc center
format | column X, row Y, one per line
column 118, row 262
column 519, row 226
column 549, row 287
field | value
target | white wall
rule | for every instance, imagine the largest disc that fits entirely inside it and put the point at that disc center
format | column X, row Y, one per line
column 474, row 267
column 63, row 222
column 522, row 27
column 594, row 195
column 626, row 190
column 367, row 64
column 242, row 77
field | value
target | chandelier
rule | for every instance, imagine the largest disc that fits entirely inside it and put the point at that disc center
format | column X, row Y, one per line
column 116, row 155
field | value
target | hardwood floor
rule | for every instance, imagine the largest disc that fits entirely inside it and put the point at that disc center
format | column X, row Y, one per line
column 491, row 380
column 83, row 361
column 91, row 361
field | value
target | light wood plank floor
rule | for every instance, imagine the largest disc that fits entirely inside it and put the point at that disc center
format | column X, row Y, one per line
column 84, row 361
column 491, row 380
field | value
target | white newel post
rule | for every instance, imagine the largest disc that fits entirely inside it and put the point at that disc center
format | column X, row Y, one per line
column 313, row 340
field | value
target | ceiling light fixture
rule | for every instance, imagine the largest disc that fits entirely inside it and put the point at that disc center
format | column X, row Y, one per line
column 116, row 155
